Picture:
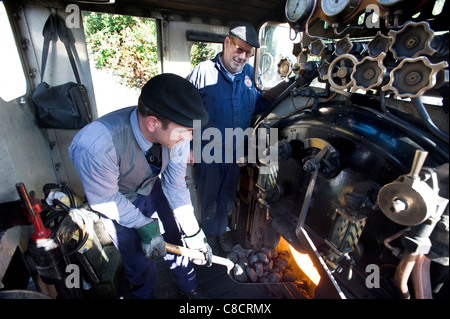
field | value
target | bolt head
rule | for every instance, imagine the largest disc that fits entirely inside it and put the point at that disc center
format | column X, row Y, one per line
column 399, row 205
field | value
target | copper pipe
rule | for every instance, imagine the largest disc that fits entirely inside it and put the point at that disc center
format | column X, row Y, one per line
column 403, row 272
column 421, row 278
column 388, row 240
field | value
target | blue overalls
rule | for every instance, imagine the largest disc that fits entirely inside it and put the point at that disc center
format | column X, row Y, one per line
column 230, row 104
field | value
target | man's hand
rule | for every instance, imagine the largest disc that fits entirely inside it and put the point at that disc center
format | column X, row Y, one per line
column 155, row 249
column 152, row 242
column 194, row 236
column 198, row 241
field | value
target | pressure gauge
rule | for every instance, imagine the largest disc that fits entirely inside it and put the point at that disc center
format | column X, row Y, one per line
column 389, row 3
column 298, row 9
column 334, row 8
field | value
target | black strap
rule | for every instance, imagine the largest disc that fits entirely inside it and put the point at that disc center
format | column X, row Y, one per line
column 66, row 37
column 56, row 26
column 49, row 33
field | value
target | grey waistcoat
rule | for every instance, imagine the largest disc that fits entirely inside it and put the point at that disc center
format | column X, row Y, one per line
column 136, row 176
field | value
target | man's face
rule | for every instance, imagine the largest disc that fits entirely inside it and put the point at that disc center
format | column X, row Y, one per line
column 173, row 134
column 236, row 53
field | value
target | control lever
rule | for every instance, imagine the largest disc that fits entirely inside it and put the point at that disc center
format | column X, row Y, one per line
column 313, row 165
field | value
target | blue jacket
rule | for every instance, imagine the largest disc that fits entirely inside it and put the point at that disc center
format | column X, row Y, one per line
column 230, row 104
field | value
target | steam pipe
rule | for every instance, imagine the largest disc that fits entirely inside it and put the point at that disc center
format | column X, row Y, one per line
column 408, row 127
column 395, row 251
column 441, row 44
column 426, row 119
column 421, row 278
column 403, row 272
column 301, row 81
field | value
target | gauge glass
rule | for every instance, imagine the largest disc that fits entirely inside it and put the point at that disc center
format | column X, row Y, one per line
column 334, row 7
column 389, row 2
column 298, row 9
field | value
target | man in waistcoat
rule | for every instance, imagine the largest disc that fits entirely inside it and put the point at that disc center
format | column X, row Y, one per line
column 132, row 165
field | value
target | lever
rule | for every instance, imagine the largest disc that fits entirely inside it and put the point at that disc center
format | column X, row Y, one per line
column 32, row 210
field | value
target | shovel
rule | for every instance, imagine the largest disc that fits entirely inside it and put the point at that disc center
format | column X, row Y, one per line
column 196, row 254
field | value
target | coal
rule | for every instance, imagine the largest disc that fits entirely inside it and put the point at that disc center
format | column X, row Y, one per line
column 280, row 264
column 244, row 260
column 284, row 253
column 238, row 250
column 252, row 259
column 239, row 273
column 258, row 267
column 263, row 258
column 288, row 277
column 261, row 266
column 267, row 252
column 268, row 267
column 274, row 277
column 233, row 257
column 251, row 273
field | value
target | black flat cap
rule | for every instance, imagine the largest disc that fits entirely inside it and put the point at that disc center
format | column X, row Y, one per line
column 175, row 98
column 246, row 32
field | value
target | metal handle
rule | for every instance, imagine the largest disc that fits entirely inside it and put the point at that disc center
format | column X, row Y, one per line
column 40, row 232
column 419, row 159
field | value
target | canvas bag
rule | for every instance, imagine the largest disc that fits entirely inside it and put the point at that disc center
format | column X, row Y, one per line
column 64, row 106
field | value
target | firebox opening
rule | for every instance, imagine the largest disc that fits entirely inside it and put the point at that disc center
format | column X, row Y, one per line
column 302, row 267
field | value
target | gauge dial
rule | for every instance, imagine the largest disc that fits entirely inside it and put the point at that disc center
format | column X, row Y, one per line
column 298, row 9
column 333, row 8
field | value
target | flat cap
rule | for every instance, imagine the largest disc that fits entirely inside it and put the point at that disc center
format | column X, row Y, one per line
column 246, row 32
column 175, row 98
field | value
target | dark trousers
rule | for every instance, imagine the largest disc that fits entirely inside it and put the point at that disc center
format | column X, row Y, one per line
column 142, row 273
column 217, row 185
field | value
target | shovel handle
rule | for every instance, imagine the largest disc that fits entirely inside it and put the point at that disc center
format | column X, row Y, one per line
column 183, row 251
column 196, row 254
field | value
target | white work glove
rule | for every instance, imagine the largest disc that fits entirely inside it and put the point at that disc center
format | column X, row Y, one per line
column 194, row 236
column 198, row 241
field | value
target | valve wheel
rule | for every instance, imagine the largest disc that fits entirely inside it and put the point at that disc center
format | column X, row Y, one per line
column 340, row 70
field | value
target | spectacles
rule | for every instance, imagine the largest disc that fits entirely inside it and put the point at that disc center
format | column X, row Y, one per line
column 239, row 50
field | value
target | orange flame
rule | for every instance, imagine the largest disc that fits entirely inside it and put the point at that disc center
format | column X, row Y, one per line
column 306, row 265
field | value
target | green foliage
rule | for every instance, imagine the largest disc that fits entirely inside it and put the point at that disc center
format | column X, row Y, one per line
column 202, row 51
column 128, row 45
column 125, row 44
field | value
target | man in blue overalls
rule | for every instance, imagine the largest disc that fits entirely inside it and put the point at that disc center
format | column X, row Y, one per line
column 231, row 99
column 132, row 164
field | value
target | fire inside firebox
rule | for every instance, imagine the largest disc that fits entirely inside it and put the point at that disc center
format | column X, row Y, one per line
column 275, row 265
